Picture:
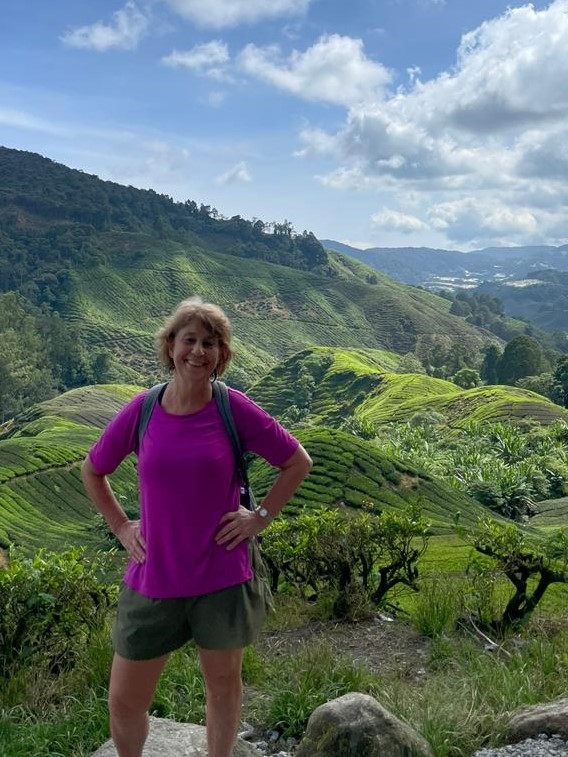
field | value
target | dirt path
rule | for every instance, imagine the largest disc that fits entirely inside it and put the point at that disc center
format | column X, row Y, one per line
column 386, row 648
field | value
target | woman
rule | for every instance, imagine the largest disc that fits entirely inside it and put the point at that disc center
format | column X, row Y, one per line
column 188, row 575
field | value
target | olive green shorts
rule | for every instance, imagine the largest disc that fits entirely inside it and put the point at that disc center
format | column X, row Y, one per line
column 147, row 628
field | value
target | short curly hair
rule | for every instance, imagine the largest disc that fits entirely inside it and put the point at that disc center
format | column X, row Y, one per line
column 211, row 316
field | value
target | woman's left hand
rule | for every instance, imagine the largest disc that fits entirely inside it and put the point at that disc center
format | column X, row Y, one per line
column 238, row 525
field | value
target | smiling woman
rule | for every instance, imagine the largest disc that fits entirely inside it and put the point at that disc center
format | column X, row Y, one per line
column 189, row 575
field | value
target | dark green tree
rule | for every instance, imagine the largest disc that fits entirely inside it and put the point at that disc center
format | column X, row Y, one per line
column 561, row 376
column 488, row 369
column 521, row 357
column 467, row 378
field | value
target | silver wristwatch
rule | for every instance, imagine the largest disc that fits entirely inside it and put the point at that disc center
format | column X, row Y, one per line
column 263, row 512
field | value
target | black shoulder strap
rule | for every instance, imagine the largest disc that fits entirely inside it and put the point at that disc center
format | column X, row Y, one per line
column 148, row 403
column 221, row 396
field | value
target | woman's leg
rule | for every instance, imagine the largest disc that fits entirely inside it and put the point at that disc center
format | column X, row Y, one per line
column 221, row 670
column 132, row 686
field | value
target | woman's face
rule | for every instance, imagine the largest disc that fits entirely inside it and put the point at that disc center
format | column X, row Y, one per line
column 195, row 351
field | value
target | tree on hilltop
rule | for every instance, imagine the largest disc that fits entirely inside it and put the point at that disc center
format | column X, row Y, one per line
column 521, row 357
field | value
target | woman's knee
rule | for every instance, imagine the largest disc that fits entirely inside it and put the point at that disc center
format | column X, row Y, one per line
column 132, row 685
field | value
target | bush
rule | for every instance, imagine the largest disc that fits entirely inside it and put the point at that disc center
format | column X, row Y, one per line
column 51, row 605
column 354, row 559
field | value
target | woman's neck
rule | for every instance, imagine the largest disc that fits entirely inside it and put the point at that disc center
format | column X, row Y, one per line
column 181, row 398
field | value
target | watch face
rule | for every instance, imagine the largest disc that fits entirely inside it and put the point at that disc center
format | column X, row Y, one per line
column 263, row 512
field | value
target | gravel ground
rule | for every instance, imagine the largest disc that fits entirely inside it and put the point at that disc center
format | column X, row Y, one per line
column 541, row 746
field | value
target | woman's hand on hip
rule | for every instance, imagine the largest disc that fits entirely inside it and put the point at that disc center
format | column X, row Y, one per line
column 128, row 534
column 238, row 525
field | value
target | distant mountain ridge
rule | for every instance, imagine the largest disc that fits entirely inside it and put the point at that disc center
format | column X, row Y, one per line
column 541, row 298
column 435, row 269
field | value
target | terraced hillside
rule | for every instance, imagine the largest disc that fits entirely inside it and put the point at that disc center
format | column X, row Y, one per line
column 42, row 502
column 552, row 513
column 275, row 310
column 349, row 382
column 350, row 472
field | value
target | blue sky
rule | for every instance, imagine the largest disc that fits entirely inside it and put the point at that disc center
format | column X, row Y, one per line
column 373, row 122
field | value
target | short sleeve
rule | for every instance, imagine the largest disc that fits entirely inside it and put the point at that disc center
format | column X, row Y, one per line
column 259, row 432
column 118, row 439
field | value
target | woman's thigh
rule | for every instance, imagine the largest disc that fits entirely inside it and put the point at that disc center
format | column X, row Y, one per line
column 133, row 682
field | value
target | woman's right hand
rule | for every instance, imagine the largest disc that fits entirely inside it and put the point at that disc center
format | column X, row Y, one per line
column 128, row 534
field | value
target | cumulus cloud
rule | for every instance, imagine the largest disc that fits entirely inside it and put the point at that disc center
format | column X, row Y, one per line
column 217, row 14
column 394, row 220
column 488, row 134
column 317, row 142
column 129, row 25
column 235, row 175
column 209, row 59
column 469, row 219
column 335, row 70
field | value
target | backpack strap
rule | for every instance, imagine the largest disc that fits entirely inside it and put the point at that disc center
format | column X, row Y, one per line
column 221, row 396
column 148, row 403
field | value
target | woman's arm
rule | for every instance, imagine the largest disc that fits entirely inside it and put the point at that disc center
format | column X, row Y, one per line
column 243, row 523
column 102, row 496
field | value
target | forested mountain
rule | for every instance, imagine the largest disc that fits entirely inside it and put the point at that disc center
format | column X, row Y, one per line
column 433, row 268
column 51, row 217
column 89, row 269
column 541, row 298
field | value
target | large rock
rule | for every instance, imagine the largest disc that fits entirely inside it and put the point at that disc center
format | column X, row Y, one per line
column 550, row 718
column 170, row 739
column 355, row 725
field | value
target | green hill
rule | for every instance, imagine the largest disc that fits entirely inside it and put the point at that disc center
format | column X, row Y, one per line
column 345, row 382
column 42, row 501
column 552, row 513
column 113, row 260
column 349, row 472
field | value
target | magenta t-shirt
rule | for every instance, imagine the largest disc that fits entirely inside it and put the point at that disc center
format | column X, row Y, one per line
column 187, row 481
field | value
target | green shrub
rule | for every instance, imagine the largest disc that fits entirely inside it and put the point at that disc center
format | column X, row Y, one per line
column 353, row 559
column 51, row 604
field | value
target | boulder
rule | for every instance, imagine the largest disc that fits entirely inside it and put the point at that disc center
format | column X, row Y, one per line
column 550, row 718
column 356, row 725
column 170, row 739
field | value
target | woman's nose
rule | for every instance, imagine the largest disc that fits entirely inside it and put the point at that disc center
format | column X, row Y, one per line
column 198, row 348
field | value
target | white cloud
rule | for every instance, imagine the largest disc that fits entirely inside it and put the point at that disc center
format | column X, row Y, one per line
column 317, row 142
column 217, row 14
column 128, row 27
column 334, row 70
column 394, row 220
column 235, row 175
column 471, row 220
column 208, row 59
column 484, row 145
